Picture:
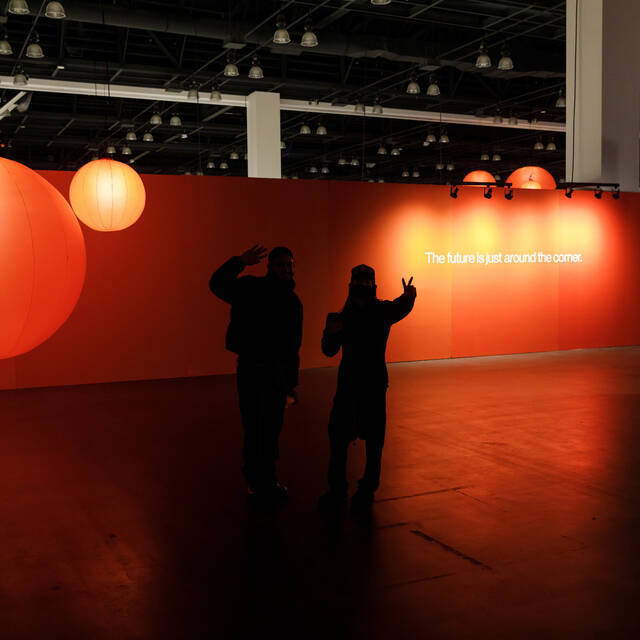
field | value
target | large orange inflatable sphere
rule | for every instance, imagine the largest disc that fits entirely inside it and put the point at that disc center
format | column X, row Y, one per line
column 478, row 176
column 107, row 195
column 42, row 259
column 531, row 178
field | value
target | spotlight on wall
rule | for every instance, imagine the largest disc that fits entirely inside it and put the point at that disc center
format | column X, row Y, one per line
column 453, row 191
column 508, row 193
column 568, row 192
column 488, row 192
column 598, row 192
column 616, row 193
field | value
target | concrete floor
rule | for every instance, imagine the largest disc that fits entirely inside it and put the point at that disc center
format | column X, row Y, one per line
column 509, row 508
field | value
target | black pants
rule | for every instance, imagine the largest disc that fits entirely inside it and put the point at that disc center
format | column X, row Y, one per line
column 357, row 414
column 262, row 397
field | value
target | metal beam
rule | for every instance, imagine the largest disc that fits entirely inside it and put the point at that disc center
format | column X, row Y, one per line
column 9, row 106
column 52, row 85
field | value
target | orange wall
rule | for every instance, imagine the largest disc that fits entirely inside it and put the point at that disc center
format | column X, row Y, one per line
column 146, row 311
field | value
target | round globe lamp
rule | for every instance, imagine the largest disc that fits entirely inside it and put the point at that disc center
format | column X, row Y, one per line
column 478, row 176
column 528, row 177
column 107, row 195
column 42, row 259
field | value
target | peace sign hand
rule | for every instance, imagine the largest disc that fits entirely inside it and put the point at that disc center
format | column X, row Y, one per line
column 253, row 255
column 409, row 289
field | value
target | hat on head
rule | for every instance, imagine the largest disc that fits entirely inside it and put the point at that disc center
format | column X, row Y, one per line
column 363, row 271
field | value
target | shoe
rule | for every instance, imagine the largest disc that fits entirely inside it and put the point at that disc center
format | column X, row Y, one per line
column 332, row 501
column 361, row 501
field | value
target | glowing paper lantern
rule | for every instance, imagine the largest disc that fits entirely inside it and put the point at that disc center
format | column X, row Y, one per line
column 107, row 195
column 523, row 177
column 42, row 259
column 478, row 176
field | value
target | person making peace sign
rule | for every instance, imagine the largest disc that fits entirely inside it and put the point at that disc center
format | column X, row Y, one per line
column 361, row 329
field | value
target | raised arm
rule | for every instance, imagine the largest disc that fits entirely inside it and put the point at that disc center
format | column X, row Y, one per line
column 332, row 335
column 403, row 304
column 224, row 281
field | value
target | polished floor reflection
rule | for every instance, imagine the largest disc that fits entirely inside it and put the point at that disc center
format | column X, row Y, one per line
column 509, row 508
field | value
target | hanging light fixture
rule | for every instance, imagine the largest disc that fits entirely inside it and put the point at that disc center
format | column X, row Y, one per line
column 283, row 144
column 5, row 46
column 431, row 138
column 395, row 151
column 20, row 78
column 111, row 150
column 256, row 73
column 234, row 156
column 425, row 143
column 147, row 137
column 156, row 118
column 413, row 87
column 325, row 169
column 342, row 161
column 404, row 174
column 18, row 7
column 183, row 135
column 224, row 165
column 359, row 107
column 192, row 94
column 497, row 119
column 444, row 138
column 483, row 61
column 497, row 177
column 281, row 36
column 484, row 157
column 415, row 174
column 433, row 89
column 231, row 68
column 175, row 121
column 215, row 96
column 305, row 130
column 505, row 63
column 211, row 164
column 126, row 150
column 551, row 145
column 561, row 103
column 381, row 180
column 377, row 107
column 382, row 150
column 451, row 166
column 496, row 157
column 34, row 50
column 538, row 146
column 313, row 169
column 380, row 3
column 321, row 130
column 309, row 39
column 355, row 162
column 513, row 120
column 131, row 136
column 439, row 166
column 370, row 165
column 55, row 10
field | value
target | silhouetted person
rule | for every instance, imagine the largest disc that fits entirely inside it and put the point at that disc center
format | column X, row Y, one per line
column 359, row 405
column 265, row 330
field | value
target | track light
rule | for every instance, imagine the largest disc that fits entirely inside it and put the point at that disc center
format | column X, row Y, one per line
column 433, row 89
column 156, row 118
column 616, row 193
column 5, row 46
column 305, row 130
column 215, row 96
column 453, row 191
column 281, row 36
column 34, row 50
column 256, row 73
column 147, row 137
column 18, row 7
column 568, row 192
column 598, row 193
column 55, row 10
column 309, row 39
column 488, row 192
column 561, row 103
column 131, row 136
column 505, row 63
column 231, row 68
column 538, row 146
column 175, row 121
column 483, row 61
column 484, row 157
column 321, row 130
column 413, row 87
column 382, row 150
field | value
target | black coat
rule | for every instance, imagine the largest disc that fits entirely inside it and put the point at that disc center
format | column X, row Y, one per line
column 363, row 339
column 265, row 319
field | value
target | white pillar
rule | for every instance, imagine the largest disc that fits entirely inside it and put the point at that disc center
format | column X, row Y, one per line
column 263, row 135
column 603, row 131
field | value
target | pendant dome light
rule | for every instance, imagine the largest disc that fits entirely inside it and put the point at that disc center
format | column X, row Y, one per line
column 224, row 165
column 309, row 39
column 192, row 93
column 313, row 169
column 131, row 136
column 18, row 7
column 415, row 174
column 147, row 137
column 325, row 169
column 395, row 151
column 175, row 121
column 433, row 89
column 43, row 262
column 380, row 180
column 551, row 145
column 231, row 68
column 538, row 146
column 156, row 118
column 283, row 144
column 444, row 138
column 34, row 50
column 413, row 88
column 450, row 166
column 355, row 162
column 359, row 107
column 439, row 166
column 321, row 130
column 55, row 10
column 497, row 177
column 5, row 45
column 377, row 107
column 505, row 63
column 107, row 195
column 382, row 150
column 215, row 96
column 380, row 3
column 561, row 103
column 111, row 150
column 211, row 164
column 483, row 61
column 513, row 120
column 126, row 150
column 496, row 157
column 281, row 36
column 256, row 73
column 305, row 130
column 234, row 156
column 497, row 119
column 484, row 157
column 404, row 174
column 370, row 165
column 431, row 138
column 20, row 78
column 342, row 161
